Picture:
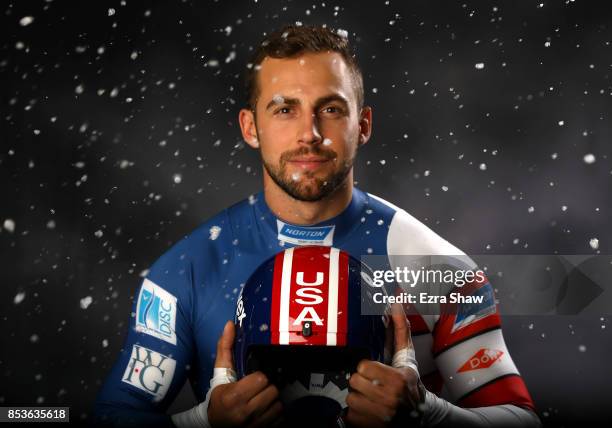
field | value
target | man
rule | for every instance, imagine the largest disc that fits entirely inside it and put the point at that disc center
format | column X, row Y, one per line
column 306, row 117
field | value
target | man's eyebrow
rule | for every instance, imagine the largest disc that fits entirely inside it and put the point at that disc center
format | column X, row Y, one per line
column 279, row 99
column 330, row 98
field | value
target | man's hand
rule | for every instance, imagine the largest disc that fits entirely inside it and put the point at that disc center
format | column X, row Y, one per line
column 380, row 392
column 251, row 402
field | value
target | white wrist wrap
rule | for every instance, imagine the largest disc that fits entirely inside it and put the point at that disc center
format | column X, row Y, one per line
column 197, row 417
column 405, row 357
column 221, row 376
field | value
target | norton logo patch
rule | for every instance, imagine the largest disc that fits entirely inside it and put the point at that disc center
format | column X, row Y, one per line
column 482, row 359
column 303, row 235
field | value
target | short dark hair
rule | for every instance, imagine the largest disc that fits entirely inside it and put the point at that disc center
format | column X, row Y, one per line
column 294, row 40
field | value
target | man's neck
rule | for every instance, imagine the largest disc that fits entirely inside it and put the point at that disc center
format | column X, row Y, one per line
column 299, row 212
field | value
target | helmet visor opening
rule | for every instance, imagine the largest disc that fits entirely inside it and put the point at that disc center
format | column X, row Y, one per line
column 284, row 364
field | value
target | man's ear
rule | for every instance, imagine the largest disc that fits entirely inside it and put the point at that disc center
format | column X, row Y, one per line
column 365, row 125
column 246, row 118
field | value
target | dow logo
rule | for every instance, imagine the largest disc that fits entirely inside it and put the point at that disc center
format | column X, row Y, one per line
column 482, row 359
column 149, row 371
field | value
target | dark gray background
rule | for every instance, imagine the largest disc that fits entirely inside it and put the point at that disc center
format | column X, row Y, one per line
column 101, row 114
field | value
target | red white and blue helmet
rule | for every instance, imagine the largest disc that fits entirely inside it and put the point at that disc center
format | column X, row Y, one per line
column 299, row 321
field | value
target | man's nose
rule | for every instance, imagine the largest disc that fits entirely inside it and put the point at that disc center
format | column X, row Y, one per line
column 309, row 132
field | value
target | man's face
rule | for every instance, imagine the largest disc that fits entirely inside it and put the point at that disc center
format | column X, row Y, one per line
column 307, row 123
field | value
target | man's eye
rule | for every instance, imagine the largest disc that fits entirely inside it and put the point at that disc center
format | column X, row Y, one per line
column 332, row 110
column 283, row 110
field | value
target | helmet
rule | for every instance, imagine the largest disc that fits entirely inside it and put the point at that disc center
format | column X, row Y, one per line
column 299, row 321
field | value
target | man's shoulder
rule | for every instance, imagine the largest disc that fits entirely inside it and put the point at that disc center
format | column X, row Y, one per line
column 408, row 235
column 211, row 238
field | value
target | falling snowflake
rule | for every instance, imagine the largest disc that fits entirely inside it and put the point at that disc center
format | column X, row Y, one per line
column 589, row 158
column 594, row 243
column 214, row 232
column 26, row 20
column 9, row 225
column 479, row 65
column 19, row 298
column 230, row 57
column 85, row 302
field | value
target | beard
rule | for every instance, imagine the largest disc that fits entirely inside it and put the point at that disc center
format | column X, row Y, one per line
column 306, row 186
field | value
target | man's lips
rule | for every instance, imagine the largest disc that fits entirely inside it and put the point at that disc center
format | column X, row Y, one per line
column 309, row 162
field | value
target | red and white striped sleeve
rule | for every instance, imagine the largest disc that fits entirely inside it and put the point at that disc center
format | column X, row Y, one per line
column 471, row 355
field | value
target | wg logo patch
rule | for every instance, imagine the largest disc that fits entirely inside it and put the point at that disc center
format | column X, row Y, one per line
column 149, row 371
column 156, row 312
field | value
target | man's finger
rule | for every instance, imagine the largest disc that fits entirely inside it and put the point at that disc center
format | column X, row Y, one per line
column 267, row 415
column 402, row 337
column 250, row 385
column 359, row 420
column 225, row 358
column 373, row 390
column 271, row 417
column 261, row 401
column 376, row 372
column 375, row 411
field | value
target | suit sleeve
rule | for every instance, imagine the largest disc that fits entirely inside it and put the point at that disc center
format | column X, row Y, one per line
column 471, row 354
column 158, row 351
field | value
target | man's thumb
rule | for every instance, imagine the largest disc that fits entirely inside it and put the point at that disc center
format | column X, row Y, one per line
column 402, row 337
column 225, row 345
